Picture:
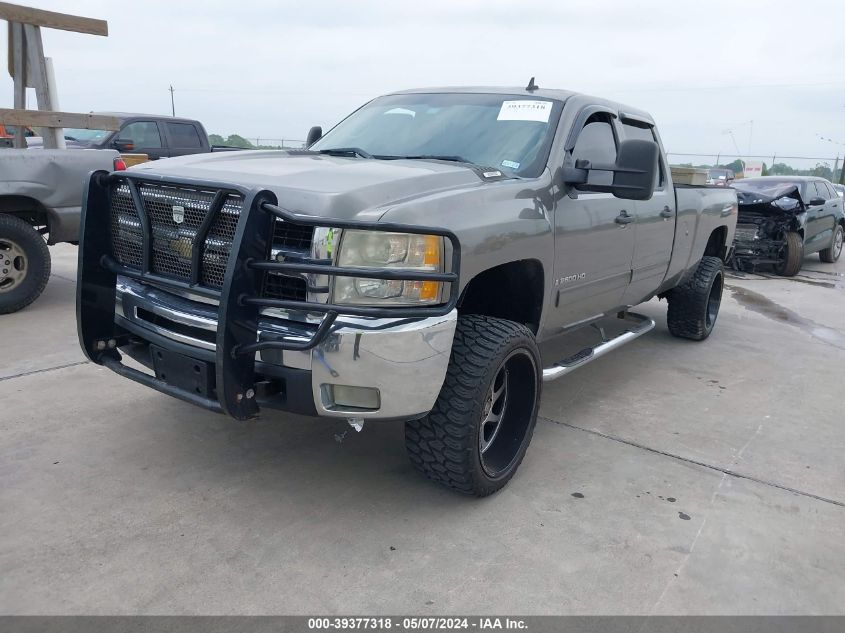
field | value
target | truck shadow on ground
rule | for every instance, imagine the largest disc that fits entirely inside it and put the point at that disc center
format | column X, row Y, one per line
column 323, row 459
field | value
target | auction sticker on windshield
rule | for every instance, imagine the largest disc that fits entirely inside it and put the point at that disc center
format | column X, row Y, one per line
column 525, row 110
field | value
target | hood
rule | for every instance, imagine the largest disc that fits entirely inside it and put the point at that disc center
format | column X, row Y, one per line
column 321, row 185
column 778, row 198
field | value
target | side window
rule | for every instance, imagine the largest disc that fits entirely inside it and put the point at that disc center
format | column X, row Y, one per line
column 144, row 134
column 597, row 144
column 184, row 135
column 831, row 194
column 821, row 190
column 645, row 133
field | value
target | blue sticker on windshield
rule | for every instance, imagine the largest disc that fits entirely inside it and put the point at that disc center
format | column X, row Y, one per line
column 510, row 164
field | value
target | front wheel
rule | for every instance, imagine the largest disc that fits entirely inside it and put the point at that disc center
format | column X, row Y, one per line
column 694, row 305
column 792, row 255
column 24, row 264
column 831, row 255
column 475, row 437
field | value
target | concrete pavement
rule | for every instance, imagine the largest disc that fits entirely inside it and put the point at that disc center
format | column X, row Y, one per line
column 669, row 478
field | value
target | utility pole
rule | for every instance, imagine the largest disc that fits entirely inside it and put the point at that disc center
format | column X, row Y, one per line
column 841, row 173
column 172, row 103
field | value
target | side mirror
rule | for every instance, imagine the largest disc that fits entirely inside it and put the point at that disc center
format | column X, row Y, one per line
column 124, row 144
column 817, row 201
column 633, row 174
column 636, row 169
column 314, row 135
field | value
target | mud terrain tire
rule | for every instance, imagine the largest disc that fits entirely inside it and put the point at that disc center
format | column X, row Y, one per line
column 694, row 305
column 475, row 437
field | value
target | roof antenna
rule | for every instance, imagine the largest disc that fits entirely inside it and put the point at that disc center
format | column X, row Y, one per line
column 531, row 86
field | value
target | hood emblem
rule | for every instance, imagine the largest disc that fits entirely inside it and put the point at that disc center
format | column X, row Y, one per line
column 178, row 214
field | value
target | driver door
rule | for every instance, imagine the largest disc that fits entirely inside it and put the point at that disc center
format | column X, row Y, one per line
column 146, row 137
column 594, row 236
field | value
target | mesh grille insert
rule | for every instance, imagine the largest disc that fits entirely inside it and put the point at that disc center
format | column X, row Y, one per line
column 126, row 234
column 175, row 214
column 278, row 286
column 292, row 236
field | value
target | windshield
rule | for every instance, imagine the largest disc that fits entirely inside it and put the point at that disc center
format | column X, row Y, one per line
column 757, row 184
column 85, row 136
column 510, row 133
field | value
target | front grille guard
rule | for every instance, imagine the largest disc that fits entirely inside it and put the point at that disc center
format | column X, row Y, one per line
column 240, row 297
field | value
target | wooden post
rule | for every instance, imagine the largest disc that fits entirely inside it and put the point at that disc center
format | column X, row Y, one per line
column 28, row 66
column 18, row 50
column 37, row 77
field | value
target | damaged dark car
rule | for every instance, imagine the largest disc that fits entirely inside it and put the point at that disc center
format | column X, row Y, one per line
column 783, row 219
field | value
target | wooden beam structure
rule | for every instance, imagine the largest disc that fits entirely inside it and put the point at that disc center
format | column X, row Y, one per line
column 39, row 118
column 52, row 20
column 29, row 68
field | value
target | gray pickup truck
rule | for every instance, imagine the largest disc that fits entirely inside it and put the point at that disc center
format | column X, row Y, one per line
column 406, row 266
column 40, row 196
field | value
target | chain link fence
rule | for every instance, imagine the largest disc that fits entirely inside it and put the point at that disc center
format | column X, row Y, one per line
column 830, row 167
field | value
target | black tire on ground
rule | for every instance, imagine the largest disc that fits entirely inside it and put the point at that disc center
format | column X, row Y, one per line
column 24, row 264
column 475, row 437
column 831, row 255
column 793, row 255
column 694, row 306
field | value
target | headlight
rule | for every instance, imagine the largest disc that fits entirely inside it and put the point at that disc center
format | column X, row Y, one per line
column 379, row 249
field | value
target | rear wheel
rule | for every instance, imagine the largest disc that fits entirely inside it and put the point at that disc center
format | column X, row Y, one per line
column 792, row 255
column 694, row 306
column 831, row 255
column 24, row 264
column 475, row 437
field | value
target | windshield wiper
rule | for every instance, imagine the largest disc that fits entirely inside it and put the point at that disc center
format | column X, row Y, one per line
column 450, row 158
column 346, row 151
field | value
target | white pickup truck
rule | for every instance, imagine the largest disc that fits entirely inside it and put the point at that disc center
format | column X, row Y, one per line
column 40, row 197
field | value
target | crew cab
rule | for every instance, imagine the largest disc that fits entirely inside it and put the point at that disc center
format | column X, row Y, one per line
column 151, row 134
column 406, row 266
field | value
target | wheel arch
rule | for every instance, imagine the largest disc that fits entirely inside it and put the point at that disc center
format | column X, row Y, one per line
column 717, row 243
column 26, row 208
column 512, row 291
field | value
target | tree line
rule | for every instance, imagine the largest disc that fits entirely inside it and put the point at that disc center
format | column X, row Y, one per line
column 236, row 140
column 821, row 170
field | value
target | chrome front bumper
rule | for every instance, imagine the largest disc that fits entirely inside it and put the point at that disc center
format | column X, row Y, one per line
column 404, row 360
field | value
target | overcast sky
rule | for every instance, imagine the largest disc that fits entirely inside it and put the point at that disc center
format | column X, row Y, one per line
column 273, row 69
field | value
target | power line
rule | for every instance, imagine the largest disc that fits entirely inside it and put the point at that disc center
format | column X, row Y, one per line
column 725, row 87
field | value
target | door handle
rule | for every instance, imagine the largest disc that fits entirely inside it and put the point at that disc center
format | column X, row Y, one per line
column 667, row 213
column 623, row 218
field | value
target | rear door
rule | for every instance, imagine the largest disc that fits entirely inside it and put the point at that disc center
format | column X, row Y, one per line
column 146, row 138
column 829, row 214
column 184, row 138
column 594, row 235
column 818, row 228
column 655, row 227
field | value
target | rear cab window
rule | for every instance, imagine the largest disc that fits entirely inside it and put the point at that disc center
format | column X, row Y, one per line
column 183, row 135
column 644, row 132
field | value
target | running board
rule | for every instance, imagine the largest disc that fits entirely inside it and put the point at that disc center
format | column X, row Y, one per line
column 640, row 325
